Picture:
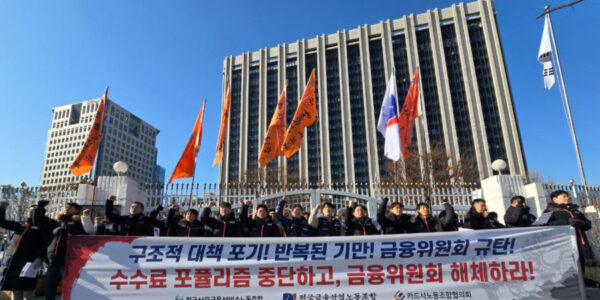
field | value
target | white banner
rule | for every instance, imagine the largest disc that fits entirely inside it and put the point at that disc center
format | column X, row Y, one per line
column 528, row 263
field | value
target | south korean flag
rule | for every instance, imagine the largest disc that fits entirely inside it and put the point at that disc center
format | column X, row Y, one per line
column 545, row 57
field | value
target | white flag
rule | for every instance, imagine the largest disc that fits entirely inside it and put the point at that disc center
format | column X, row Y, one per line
column 388, row 121
column 545, row 57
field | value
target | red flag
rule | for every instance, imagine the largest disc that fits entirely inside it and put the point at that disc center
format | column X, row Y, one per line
column 410, row 111
column 187, row 163
column 84, row 161
column 223, row 127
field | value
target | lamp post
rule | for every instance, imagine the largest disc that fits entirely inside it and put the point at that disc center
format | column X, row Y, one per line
column 120, row 168
column 499, row 165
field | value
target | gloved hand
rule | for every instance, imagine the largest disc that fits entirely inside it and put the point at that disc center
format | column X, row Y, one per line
column 4, row 204
column 576, row 223
column 42, row 203
column 159, row 208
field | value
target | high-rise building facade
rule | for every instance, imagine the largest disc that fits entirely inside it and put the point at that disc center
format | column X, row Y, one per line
column 125, row 137
column 467, row 105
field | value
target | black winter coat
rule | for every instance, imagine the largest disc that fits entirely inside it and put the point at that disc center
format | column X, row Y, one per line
column 328, row 227
column 57, row 249
column 131, row 225
column 359, row 226
column 518, row 216
column 259, row 227
column 475, row 220
column 562, row 215
column 390, row 223
column 431, row 224
column 27, row 244
column 178, row 226
column 227, row 226
column 293, row 227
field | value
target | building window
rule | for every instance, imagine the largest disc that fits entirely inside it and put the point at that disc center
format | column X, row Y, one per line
column 312, row 132
column 487, row 95
column 359, row 134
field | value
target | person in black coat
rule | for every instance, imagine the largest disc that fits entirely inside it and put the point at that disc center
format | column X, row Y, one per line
column 563, row 212
column 225, row 224
column 261, row 224
column 69, row 222
column 326, row 224
column 135, row 224
column 104, row 226
column 26, row 245
column 395, row 221
column 478, row 217
column 295, row 225
column 188, row 226
column 448, row 217
column 424, row 221
column 357, row 221
column 517, row 214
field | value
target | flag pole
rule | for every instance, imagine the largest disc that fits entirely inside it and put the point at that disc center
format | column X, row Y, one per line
column 426, row 164
column 397, row 118
column 564, row 92
column 195, row 157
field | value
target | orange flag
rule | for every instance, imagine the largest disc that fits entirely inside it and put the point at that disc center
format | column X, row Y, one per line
column 187, row 163
column 410, row 111
column 305, row 115
column 223, row 127
column 85, row 159
column 274, row 138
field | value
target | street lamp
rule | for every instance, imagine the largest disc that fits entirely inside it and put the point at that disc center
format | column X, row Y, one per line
column 499, row 165
column 120, row 168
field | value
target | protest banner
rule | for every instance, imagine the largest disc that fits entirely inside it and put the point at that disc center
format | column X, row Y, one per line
column 516, row 263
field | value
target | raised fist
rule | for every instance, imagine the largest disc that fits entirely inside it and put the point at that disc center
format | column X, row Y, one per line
column 112, row 198
column 86, row 212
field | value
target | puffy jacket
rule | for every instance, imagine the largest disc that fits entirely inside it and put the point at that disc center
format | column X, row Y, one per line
column 259, row 227
column 359, row 226
column 222, row 226
column 475, row 220
column 27, row 244
column 390, row 223
column 57, row 249
column 518, row 216
column 324, row 226
column 569, row 214
column 430, row 224
column 131, row 225
column 178, row 226
column 294, row 227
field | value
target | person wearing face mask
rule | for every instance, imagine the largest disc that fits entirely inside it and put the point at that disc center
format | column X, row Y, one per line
column 395, row 221
column 326, row 224
column 26, row 245
column 295, row 225
column 134, row 224
column 189, row 225
column 357, row 221
column 224, row 224
column 261, row 224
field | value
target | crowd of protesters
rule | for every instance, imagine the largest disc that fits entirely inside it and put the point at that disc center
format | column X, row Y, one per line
column 43, row 240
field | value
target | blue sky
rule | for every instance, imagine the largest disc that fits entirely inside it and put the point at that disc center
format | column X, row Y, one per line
column 161, row 58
